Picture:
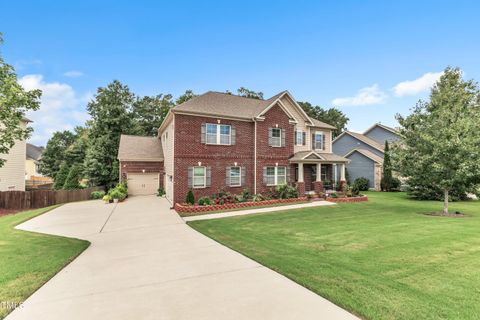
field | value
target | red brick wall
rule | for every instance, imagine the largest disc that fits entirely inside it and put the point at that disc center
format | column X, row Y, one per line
column 139, row 166
column 267, row 155
column 189, row 151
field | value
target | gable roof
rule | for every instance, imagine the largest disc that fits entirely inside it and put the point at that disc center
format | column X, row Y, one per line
column 232, row 106
column 320, row 124
column 34, row 152
column 313, row 155
column 362, row 138
column 223, row 104
column 378, row 124
column 367, row 154
column 137, row 148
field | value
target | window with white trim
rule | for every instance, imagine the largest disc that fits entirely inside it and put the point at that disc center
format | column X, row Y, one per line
column 276, row 137
column 299, row 137
column 276, row 176
column 235, row 176
column 218, row 134
column 318, row 142
column 199, row 177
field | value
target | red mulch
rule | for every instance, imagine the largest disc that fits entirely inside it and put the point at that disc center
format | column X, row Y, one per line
column 4, row 212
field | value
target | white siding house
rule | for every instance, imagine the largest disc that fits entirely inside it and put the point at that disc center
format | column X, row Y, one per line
column 12, row 174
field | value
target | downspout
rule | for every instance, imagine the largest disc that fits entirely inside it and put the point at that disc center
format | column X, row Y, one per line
column 255, row 158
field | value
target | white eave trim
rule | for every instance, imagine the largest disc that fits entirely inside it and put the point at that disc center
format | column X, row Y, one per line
column 313, row 152
column 213, row 116
column 142, row 160
column 381, row 126
column 307, row 118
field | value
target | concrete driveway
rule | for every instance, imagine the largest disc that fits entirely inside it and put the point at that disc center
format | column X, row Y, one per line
column 146, row 263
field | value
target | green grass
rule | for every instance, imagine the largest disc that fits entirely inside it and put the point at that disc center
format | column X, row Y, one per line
column 28, row 260
column 380, row 259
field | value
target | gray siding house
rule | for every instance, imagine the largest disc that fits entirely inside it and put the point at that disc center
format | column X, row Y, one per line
column 365, row 152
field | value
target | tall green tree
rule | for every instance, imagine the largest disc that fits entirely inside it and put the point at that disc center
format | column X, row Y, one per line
column 73, row 178
column 75, row 153
column 441, row 138
column 386, row 182
column 331, row 116
column 110, row 112
column 244, row 92
column 55, row 152
column 61, row 176
column 185, row 97
column 149, row 112
column 15, row 101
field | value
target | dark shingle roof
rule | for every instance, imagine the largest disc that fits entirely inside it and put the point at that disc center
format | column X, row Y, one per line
column 34, row 152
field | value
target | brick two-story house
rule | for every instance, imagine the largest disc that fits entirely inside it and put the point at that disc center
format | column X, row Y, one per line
column 222, row 141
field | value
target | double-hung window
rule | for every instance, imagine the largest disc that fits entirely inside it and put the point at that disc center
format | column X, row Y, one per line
column 299, row 137
column 318, row 141
column 275, row 176
column 199, row 177
column 276, row 137
column 218, row 134
column 235, row 177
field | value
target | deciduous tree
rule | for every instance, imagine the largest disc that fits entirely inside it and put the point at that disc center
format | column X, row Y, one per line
column 331, row 116
column 440, row 148
column 15, row 101
column 110, row 112
column 55, row 153
column 149, row 112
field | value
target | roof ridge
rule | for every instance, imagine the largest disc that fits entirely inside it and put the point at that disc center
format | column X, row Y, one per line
column 235, row 95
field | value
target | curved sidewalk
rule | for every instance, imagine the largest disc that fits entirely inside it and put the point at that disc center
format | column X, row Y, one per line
column 146, row 263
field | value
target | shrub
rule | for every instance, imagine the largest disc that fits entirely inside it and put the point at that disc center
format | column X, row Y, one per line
column 73, row 178
column 285, row 191
column 204, row 201
column 245, row 194
column 161, row 192
column 97, row 194
column 107, row 198
column 190, row 199
column 361, row 184
column 122, row 187
column 258, row 197
column 116, row 193
column 223, row 197
column 334, row 195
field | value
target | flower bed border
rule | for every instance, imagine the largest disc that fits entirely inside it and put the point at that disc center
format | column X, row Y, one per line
column 216, row 207
column 351, row 199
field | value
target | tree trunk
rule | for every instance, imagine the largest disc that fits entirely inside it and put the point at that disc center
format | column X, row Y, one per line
column 445, row 202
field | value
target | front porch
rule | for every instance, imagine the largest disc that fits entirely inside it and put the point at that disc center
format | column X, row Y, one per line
column 318, row 173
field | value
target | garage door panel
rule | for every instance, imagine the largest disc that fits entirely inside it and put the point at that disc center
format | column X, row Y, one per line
column 142, row 183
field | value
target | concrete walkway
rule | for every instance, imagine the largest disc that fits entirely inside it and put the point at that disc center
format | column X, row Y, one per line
column 259, row 210
column 146, row 263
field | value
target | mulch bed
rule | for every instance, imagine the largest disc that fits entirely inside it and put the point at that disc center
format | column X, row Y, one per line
column 441, row 214
column 4, row 212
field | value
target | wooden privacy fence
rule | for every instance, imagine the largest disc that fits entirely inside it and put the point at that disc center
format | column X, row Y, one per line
column 22, row 200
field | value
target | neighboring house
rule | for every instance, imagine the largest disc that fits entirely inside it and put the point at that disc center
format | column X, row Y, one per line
column 32, row 159
column 365, row 152
column 12, row 174
column 221, row 141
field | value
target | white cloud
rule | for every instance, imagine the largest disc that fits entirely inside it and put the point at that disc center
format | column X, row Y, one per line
column 60, row 108
column 73, row 74
column 413, row 87
column 365, row 96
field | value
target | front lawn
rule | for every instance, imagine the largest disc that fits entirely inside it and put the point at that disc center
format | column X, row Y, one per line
column 28, row 260
column 380, row 259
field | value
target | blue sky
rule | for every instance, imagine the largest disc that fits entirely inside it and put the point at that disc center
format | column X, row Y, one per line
column 371, row 58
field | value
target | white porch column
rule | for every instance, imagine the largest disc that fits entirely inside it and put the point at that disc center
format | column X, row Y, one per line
column 342, row 172
column 300, row 172
column 319, row 172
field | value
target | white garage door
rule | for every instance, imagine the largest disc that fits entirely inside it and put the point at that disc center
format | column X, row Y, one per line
column 142, row 183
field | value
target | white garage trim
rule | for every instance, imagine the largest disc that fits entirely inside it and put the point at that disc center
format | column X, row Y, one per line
column 143, row 185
